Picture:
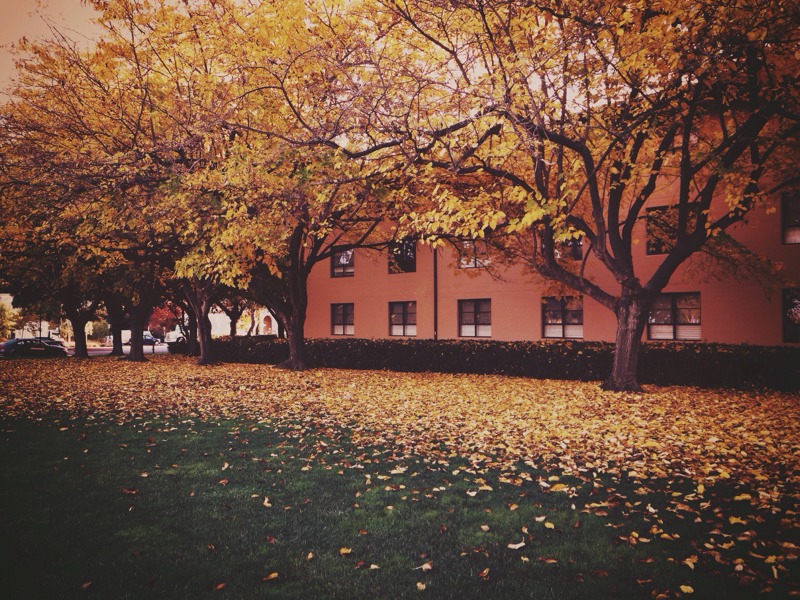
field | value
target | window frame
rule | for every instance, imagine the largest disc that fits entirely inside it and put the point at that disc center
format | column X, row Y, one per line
column 343, row 270
column 405, row 321
column 674, row 298
column 470, row 256
column 406, row 249
column 477, row 320
column 571, row 249
column 790, row 231
column 656, row 247
column 564, row 322
column 347, row 310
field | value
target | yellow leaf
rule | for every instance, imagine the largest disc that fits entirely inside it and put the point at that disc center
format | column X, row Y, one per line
column 425, row 566
column 517, row 546
column 271, row 576
column 345, row 551
column 484, row 528
column 421, row 586
column 687, row 589
column 549, row 525
column 743, row 497
column 734, row 520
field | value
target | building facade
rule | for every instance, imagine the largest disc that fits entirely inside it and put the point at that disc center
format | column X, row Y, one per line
column 413, row 291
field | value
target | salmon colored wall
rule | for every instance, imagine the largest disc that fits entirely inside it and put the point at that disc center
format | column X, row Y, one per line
column 734, row 308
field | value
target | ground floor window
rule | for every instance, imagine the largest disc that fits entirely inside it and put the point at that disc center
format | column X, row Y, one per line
column 562, row 317
column 402, row 318
column 475, row 318
column 791, row 315
column 342, row 319
column 675, row 317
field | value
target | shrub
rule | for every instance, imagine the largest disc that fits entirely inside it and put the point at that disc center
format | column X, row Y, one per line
column 663, row 363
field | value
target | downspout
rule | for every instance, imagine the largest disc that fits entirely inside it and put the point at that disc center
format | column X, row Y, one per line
column 435, row 294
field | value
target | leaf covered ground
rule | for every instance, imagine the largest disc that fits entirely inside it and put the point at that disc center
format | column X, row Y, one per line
column 710, row 478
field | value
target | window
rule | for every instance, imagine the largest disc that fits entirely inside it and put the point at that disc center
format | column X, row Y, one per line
column 475, row 318
column 403, row 256
column 791, row 315
column 662, row 225
column 570, row 249
column 790, row 217
column 472, row 254
column 342, row 264
column 342, row 319
column 562, row 317
column 402, row 318
column 675, row 317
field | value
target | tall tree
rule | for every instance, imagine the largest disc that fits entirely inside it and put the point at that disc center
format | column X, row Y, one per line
column 577, row 115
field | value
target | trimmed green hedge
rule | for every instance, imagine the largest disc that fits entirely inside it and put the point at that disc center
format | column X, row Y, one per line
column 704, row 365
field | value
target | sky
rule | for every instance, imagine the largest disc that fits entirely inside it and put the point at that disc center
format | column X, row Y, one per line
column 29, row 18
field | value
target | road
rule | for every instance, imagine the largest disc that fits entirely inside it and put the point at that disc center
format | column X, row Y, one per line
column 103, row 350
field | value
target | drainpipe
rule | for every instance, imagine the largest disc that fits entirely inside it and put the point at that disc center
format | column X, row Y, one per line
column 435, row 294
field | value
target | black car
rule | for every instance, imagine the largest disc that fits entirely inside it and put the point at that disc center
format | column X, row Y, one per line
column 31, row 347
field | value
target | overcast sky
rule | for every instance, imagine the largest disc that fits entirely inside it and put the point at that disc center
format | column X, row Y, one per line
column 29, row 18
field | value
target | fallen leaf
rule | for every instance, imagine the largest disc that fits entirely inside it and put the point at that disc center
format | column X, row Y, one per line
column 424, row 567
column 421, row 586
column 687, row 589
column 345, row 551
column 271, row 576
column 517, row 546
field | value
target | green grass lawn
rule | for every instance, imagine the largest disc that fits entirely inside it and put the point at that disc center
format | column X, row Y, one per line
column 109, row 504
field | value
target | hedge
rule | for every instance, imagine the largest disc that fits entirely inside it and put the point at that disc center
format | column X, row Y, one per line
column 662, row 363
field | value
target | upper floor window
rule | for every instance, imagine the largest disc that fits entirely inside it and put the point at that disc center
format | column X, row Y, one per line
column 570, row 249
column 791, row 315
column 675, row 317
column 562, row 317
column 472, row 254
column 790, row 217
column 403, row 256
column 662, row 226
column 342, row 263
column 402, row 318
column 475, row 318
column 342, row 319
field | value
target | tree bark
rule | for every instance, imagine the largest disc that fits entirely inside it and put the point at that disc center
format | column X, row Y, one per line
column 632, row 309
column 116, row 317
column 200, row 295
column 295, row 336
column 79, row 322
column 139, row 316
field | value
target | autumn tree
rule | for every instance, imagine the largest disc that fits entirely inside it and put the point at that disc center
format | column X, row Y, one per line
column 580, row 113
column 290, row 200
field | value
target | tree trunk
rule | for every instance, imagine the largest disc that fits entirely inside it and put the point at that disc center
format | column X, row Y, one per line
column 298, row 358
column 204, row 334
column 79, row 322
column 139, row 316
column 200, row 296
column 116, row 317
column 632, row 310
column 192, row 347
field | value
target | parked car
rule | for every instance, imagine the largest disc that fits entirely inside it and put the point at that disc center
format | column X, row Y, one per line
column 176, row 335
column 31, row 347
column 149, row 340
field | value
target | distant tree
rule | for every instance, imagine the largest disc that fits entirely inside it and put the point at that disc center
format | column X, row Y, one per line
column 7, row 321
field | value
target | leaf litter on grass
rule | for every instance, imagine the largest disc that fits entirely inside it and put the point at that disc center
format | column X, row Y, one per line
column 719, row 462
